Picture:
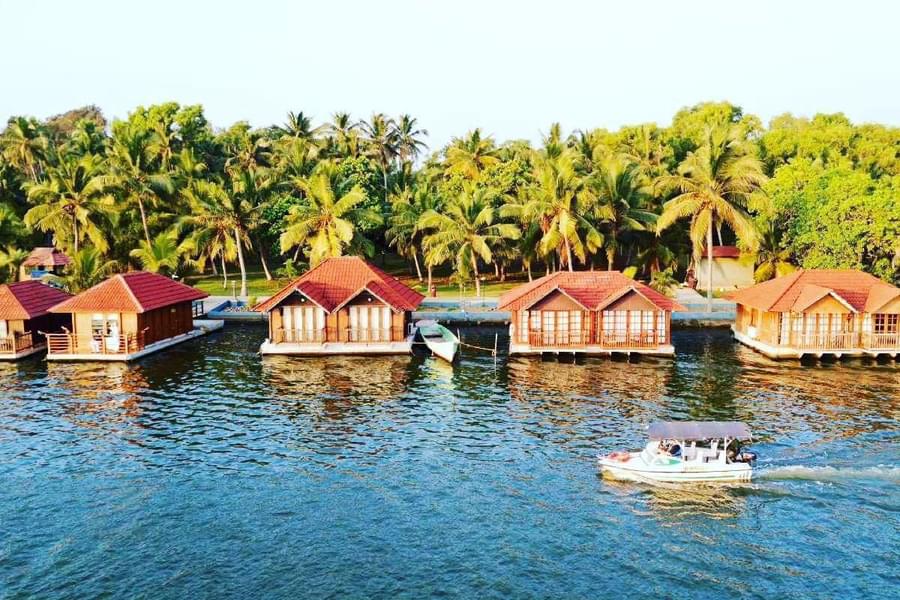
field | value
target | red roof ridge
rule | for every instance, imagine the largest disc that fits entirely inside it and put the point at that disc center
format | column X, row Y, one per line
column 347, row 275
column 128, row 289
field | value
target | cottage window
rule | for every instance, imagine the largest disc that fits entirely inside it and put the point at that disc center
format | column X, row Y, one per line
column 4, row 329
column 370, row 323
column 575, row 326
column 754, row 317
column 885, row 323
column 104, row 325
column 614, row 324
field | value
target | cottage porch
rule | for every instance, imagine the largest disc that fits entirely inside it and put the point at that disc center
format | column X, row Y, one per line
column 69, row 346
column 19, row 345
column 591, row 332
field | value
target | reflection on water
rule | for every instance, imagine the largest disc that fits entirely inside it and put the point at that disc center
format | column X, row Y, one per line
column 209, row 470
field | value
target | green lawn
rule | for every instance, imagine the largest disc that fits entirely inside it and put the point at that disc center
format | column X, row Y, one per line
column 212, row 284
column 258, row 286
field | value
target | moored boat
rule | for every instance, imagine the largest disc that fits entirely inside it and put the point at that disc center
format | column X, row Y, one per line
column 685, row 451
column 440, row 340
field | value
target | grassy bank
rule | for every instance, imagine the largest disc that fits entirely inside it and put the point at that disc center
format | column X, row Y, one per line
column 257, row 285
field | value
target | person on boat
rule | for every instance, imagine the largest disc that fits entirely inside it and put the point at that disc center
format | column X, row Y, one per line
column 670, row 448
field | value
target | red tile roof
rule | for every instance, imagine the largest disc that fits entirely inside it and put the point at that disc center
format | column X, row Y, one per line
column 799, row 290
column 336, row 281
column 46, row 257
column 591, row 289
column 28, row 299
column 135, row 292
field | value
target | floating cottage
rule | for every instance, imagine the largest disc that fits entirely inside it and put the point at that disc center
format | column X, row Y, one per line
column 342, row 306
column 590, row 312
column 43, row 261
column 24, row 312
column 819, row 313
column 126, row 317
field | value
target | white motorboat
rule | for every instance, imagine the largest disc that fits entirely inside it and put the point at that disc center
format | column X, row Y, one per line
column 680, row 451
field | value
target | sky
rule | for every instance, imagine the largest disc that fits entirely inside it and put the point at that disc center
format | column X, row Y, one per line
column 511, row 68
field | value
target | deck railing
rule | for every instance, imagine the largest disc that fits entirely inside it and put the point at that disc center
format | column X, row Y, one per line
column 367, row 335
column 197, row 309
column 614, row 340
column 16, row 342
column 300, row 336
column 70, row 343
column 633, row 339
column 559, row 338
column 881, row 340
column 825, row 341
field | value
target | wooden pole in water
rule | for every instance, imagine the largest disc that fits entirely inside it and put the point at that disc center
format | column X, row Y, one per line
column 496, row 335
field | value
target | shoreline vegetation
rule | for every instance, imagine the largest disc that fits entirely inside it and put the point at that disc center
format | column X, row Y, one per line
column 240, row 209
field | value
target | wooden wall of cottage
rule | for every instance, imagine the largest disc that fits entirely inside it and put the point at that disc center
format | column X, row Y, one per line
column 337, row 324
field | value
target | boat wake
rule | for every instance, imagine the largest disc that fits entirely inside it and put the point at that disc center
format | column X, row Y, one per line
column 880, row 472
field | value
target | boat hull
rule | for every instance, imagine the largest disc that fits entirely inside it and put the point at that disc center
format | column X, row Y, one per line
column 635, row 470
column 441, row 341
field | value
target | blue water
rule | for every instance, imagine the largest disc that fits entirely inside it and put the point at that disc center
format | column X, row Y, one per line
column 207, row 471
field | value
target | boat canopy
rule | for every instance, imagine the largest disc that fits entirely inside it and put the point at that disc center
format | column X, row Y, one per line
column 698, row 430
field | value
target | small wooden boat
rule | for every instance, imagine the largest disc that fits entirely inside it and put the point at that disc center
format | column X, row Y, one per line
column 440, row 340
column 680, row 451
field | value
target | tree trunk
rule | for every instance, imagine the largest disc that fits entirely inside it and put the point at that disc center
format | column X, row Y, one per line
column 477, row 282
column 569, row 256
column 240, row 253
column 429, row 278
column 262, row 258
column 610, row 258
column 502, row 272
column 144, row 220
column 418, row 268
column 496, row 269
column 709, row 254
column 528, row 267
column 224, row 273
column 75, row 230
column 212, row 263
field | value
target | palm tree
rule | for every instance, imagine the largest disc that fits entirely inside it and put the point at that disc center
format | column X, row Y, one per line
column 409, row 142
column 465, row 230
column 78, row 195
column 300, row 126
column 209, row 226
column 162, row 256
column 714, row 184
column 24, row 145
column 343, row 132
column 471, row 155
column 772, row 259
column 133, row 160
column 564, row 207
column 86, row 269
column 407, row 208
column 252, row 189
column 11, row 259
column 381, row 139
column 326, row 222
column 622, row 194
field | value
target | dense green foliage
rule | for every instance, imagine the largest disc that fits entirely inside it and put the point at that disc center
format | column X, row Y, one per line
column 162, row 190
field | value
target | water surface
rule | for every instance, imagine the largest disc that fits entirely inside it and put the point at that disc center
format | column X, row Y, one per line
column 207, row 471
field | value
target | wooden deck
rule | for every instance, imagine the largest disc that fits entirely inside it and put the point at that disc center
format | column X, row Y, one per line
column 19, row 345
column 580, row 341
column 838, row 345
column 124, row 347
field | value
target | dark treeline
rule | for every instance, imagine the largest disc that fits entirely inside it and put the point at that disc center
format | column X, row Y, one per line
column 164, row 191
